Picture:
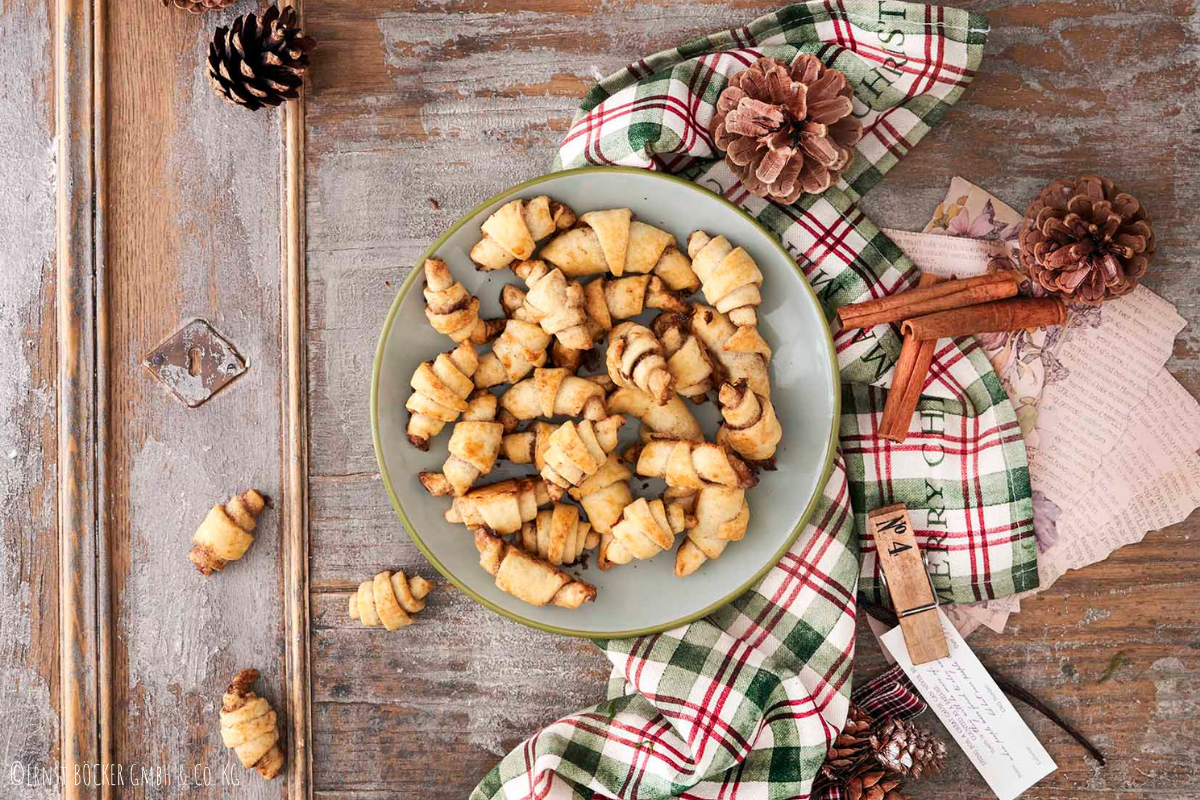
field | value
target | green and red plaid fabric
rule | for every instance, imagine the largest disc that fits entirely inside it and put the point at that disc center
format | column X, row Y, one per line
column 744, row 703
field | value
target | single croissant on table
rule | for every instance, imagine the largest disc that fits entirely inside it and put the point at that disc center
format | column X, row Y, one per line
column 730, row 280
column 635, row 360
column 671, row 420
column 227, row 532
column 612, row 241
column 454, row 311
column 721, row 516
column 474, row 446
column 390, row 599
column 527, row 577
column 646, row 528
column 440, row 390
column 521, row 347
column 513, row 230
column 554, row 392
column 715, row 332
column 751, row 428
column 554, row 303
column 687, row 358
column 558, row 535
column 692, row 465
column 250, row 727
column 503, row 506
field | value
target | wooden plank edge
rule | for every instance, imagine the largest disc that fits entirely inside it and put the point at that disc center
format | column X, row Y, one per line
column 84, row 641
column 295, row 423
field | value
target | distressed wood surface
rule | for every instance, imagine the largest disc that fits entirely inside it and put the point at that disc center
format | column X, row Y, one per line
column 416, row 111
column 421, row 110
column 29, row 618
column 192, row 199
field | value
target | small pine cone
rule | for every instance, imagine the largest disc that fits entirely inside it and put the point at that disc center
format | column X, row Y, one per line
column 873, row 785
column 850, row 745
column 786, row 130
column 903, row 748
column 1085, row 240
column 199, row 6
column 257, row 61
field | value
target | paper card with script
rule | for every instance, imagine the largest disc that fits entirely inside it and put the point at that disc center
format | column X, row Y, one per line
column 977, row 714
column 1083, row 393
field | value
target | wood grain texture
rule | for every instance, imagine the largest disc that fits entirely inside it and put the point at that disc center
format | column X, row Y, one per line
column 193, row 201
column 29, row 562
column 420, row 110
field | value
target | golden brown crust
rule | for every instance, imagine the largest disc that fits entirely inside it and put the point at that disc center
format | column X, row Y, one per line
column 226, row 532
column 249, row 726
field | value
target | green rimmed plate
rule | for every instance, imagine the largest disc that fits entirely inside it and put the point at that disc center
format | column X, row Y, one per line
column 644, row 596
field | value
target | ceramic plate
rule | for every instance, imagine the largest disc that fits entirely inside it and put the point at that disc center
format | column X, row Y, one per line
column 643, row 596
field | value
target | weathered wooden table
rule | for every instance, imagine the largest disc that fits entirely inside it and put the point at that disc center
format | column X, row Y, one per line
column 289, row 232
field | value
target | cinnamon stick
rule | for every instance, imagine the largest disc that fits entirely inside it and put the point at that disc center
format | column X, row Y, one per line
column 1004, row 315
column 930, row 299
column 908, row 380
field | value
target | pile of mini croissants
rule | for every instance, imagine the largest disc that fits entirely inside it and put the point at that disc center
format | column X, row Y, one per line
column 524, row 531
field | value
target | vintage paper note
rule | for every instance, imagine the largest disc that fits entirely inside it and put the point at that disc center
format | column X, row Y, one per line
column 976, row 713
column 1088, row 395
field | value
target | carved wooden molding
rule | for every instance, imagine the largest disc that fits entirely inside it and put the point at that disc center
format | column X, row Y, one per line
column 85, row 593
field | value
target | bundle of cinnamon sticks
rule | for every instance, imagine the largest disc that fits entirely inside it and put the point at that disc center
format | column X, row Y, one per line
column 939, row 309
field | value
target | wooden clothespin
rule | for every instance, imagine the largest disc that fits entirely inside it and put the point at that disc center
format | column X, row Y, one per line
column 908, row 583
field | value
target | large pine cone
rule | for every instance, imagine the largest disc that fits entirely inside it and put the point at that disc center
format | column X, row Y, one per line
column 786, row 131
column 1086, row 240
column 199, row 6
column 905, row 749
column 259, row 62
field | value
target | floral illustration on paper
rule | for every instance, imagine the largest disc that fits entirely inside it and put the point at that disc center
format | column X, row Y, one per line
column 1026, row 361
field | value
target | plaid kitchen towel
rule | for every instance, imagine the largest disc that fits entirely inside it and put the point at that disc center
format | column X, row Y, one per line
column 745, row 702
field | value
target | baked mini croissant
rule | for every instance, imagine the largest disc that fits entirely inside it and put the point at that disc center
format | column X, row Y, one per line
column 554, row 392
column 440, row 389
column 692, row 465
column 558, row 535
column 687, row 358
column 605, row 494
column 606, row 301
column 672, row 420
column 503, row 506
column 527, row 577
column 612, row 241
column 635, row 360
column 227, row 532
column 646, row 528
column 520, row 348
column 474, row 446
column 751, row 428
column 454, row 311
column 714, row 330
column 730, row 281
column 722, row 516
column 390, row 599
column 514, row 229
column 577, row 450
column 250, row 727
column 554, row 303
column 564, row 454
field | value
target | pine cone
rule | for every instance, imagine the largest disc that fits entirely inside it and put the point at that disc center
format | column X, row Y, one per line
column 850, row 746
column 259, row 61
column 1086, row 240
column 903, row 748
column 199, row 6
column 786, row 131
column 874, row 784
